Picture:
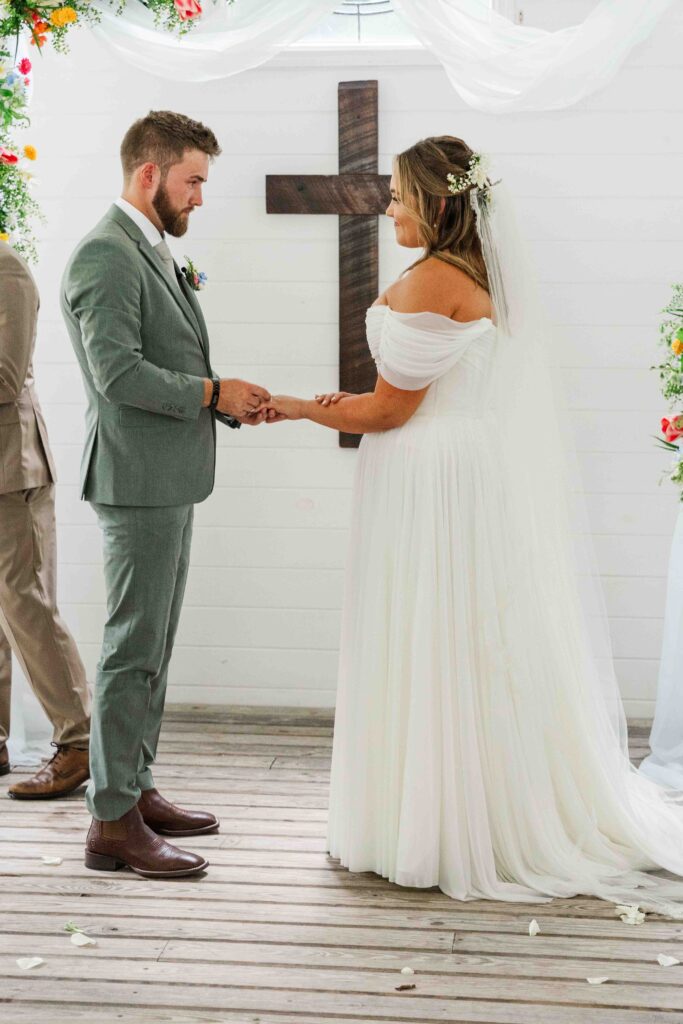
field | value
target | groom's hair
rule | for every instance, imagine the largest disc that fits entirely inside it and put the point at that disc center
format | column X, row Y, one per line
column 161, row 138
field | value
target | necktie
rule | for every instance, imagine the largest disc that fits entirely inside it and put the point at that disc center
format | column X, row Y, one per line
column 167, row 259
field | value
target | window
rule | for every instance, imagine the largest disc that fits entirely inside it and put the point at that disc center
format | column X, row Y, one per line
column 375, row 23
column 364, row 23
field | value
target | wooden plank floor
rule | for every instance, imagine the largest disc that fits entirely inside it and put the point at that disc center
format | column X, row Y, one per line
column 277, row 932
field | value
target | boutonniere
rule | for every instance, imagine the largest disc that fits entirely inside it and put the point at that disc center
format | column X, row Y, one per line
column 195, row 278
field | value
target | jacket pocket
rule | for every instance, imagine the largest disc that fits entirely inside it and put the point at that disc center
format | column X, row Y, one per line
column 130, row 416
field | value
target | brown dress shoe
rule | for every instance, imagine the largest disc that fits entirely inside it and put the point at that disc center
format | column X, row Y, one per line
column 4, row 760
column 64, row 772
column 128, row 842
column 169, row 820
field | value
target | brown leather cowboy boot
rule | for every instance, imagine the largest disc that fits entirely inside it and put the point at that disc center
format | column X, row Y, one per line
column 168, row 820
column 64, row 772
column 128, row 842
column 5, row 768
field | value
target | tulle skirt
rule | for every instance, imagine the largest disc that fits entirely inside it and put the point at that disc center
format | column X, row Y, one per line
column 473, row 750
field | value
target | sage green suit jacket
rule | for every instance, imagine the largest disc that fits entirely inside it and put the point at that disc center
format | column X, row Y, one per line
column 143, row 349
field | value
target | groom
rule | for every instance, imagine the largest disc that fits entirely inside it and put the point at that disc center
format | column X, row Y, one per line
column 152, row 399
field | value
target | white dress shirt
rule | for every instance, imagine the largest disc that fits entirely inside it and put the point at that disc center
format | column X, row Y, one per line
column 149, row 230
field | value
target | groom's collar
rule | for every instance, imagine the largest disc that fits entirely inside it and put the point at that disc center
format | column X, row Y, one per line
column 149, row 230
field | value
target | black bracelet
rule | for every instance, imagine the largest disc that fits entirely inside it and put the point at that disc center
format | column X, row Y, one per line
column 215, row 394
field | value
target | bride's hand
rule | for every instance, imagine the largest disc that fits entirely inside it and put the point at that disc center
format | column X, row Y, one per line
column 282, row 407
column 332, row 397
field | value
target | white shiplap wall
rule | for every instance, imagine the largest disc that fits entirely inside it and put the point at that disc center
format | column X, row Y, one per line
column 601, row 193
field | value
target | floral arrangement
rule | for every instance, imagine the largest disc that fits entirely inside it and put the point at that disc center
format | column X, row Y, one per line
column 44, row 19
column 18, row 208
column 476, row 178
column 53, row 19
column 195, row 278
column 477, row 174
column 671, row 376
column 175, row 15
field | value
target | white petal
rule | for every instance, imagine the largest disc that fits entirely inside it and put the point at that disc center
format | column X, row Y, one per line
column 667, row 961
column 597, row 981
column 80, row 939
column 52, row 860
column 407, row 970
column 633, row 917
column 27, row 962
column 534, row 927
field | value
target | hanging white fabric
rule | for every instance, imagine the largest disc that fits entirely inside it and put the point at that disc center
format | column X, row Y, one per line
column 665, row 763
column 225, row 40
column 501, row 67
column 493, row 64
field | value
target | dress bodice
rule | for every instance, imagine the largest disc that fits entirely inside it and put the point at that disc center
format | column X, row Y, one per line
column 414, row 350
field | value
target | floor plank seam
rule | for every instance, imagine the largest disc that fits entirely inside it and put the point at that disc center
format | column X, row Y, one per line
column 279, row 931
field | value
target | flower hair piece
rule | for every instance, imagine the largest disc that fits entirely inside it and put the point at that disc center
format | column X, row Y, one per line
column 476, row 178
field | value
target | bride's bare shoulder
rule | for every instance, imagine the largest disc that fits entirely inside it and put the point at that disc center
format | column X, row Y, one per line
column 432, row 286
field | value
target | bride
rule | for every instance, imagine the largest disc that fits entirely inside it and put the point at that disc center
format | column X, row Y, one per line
column 480, row 742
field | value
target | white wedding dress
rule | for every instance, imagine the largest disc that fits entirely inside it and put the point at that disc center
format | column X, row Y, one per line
column 470, row 746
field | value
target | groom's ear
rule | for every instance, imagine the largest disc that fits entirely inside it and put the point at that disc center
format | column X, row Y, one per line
column 149, row 175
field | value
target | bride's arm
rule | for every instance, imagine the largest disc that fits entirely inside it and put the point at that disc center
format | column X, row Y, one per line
column 382, row 409
column 432, row 286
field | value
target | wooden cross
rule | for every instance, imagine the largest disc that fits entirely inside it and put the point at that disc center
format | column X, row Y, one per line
column 356, row 195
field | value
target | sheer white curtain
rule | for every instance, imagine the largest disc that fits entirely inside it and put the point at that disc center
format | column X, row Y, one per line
column 495, row 65
column 224, row 41
column 499, row 67
column 30, row 731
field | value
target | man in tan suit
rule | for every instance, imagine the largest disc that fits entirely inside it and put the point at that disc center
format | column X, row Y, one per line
column 30, row 624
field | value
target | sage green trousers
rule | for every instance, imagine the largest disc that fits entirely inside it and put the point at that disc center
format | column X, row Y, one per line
column 146, row 559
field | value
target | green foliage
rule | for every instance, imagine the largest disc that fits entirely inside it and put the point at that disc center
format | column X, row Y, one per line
column 671, row 376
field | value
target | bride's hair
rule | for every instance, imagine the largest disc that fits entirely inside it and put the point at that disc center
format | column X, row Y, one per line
column 422, row 176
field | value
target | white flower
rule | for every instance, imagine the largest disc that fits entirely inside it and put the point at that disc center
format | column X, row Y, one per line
column 477, row 174
column 479, row 170
column 81, row 939
column 597, row 981
column 534, row 928
column 407, row 970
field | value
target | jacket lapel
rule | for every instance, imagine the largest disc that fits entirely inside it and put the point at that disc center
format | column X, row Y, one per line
column 197, row 311
column 155, row 261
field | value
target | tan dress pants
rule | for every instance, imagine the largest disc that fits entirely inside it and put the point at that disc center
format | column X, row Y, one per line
column 30, row 623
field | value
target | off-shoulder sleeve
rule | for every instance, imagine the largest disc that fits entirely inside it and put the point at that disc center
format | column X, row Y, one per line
column 418, row 348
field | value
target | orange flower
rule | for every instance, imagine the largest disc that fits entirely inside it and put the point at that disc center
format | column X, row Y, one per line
column 63, row 16
column 677, row 347
column 30, row 152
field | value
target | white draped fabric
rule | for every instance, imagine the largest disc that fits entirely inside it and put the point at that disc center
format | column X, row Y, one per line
column 665, row 764
column 499, row 67
column 223, row 42
column 493, row 64
column 30, row 731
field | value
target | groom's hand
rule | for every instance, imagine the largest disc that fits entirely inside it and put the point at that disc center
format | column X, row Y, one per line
column 242, row 400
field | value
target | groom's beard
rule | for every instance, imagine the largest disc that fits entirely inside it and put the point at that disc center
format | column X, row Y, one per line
column 174, row 221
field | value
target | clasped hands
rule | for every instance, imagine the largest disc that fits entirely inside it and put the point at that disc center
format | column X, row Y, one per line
column 286, row 407
column 252, row 404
